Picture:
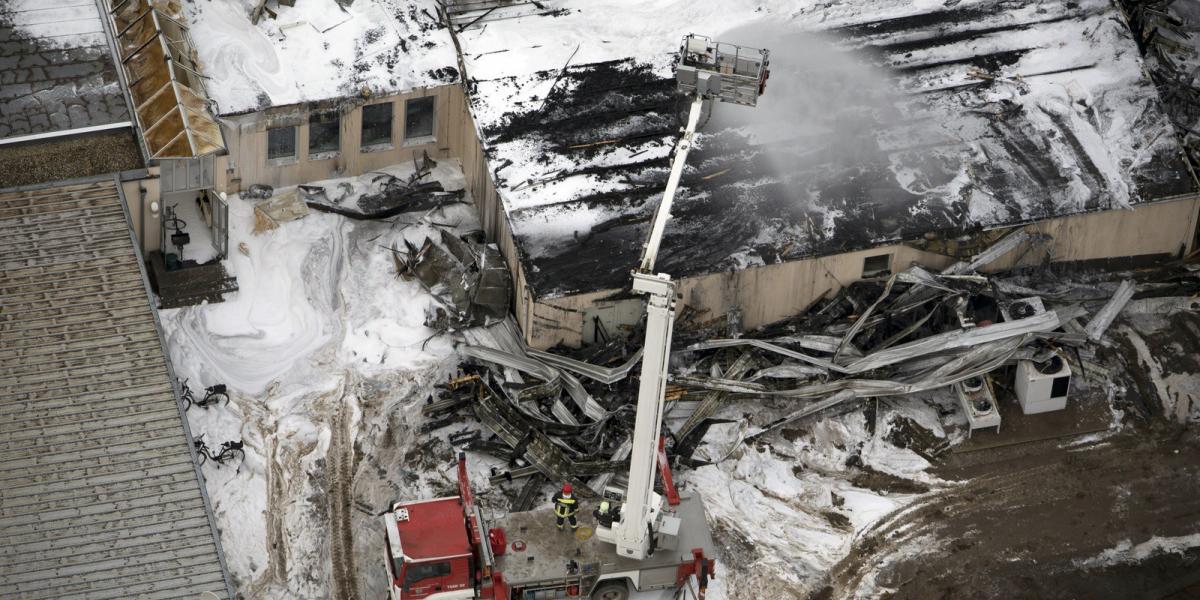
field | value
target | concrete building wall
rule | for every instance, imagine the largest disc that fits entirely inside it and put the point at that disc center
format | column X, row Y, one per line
column 1167, row 227
column 145, row 207
column 769, row 293
column 763, row 294
column 246, row 138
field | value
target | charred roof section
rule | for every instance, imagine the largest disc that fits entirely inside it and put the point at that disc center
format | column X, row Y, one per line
column 995, row 113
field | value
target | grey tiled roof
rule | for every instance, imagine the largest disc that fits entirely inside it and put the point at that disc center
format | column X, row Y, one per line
column 56, row 69
column 99, row 495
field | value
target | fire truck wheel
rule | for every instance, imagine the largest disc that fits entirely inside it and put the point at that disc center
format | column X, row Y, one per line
column 611, row 590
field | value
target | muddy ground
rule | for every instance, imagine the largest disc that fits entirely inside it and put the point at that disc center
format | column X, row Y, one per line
column 1035, row 520
column 1024, row 520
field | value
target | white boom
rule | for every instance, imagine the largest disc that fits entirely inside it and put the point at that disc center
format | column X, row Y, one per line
column 706, row 70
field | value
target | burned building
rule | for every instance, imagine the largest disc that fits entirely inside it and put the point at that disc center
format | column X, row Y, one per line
column 892, row 135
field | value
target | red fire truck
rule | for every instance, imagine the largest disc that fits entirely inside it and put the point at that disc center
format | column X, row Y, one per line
column 442, row 549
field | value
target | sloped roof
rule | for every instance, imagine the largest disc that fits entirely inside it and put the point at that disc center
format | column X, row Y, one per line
column 883, row 120
column 164, row 79
column 99, row 495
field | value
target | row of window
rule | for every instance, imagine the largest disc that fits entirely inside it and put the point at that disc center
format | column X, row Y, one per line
column 324, row 135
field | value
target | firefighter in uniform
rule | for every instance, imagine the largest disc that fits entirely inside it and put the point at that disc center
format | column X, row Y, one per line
column 565, row 507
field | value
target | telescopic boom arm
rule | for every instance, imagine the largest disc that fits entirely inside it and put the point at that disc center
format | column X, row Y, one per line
column 706, row 70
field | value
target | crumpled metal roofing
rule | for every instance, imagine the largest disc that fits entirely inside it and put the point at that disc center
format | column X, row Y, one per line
column 164, row 79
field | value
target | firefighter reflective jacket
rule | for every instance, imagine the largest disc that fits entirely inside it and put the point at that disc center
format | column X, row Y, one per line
column 565, row 507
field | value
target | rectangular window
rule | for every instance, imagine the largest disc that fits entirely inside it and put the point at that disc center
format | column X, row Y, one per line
column 281, row 142
column 377, row 124
column 877, row 266
column 421, row 571
column 418, row 118
column 323, row 134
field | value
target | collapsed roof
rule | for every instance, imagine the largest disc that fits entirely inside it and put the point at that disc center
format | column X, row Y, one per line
column 892, row 120
column 319, row 50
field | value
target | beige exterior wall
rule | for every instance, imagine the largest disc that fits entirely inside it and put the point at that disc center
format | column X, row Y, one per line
column 769, row 293
column 142, row 209
column 764, row 295
column 1166, row 227
column 246, row 137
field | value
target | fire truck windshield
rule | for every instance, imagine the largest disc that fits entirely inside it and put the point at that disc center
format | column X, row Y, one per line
column 420, row 571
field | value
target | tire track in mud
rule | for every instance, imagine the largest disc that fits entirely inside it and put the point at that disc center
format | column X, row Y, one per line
column 277, row 569
column 340, row 473
column 1050, row 509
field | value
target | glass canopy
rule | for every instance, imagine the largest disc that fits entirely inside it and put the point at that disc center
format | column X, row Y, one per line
column 164, row 79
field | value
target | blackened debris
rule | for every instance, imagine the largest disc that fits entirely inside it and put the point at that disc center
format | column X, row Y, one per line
column 446, row 74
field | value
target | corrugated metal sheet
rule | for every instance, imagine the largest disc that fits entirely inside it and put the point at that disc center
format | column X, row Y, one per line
column 164, row 80
column 99, row 495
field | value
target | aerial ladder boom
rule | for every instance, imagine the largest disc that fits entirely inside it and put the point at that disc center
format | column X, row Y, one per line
column 707, row 70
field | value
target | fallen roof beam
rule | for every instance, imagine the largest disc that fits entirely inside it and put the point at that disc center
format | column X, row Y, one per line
column 1099, row 323
column 539, row 449
column 713, row 400
column 605, row 375
column 1038, row 323
column 977, row 360
column 532, row 366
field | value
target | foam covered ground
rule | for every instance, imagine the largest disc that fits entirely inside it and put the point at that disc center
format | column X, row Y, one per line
column 325, row 353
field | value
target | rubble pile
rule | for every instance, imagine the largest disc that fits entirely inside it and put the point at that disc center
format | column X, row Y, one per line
column 568, row 414
column 466, row 275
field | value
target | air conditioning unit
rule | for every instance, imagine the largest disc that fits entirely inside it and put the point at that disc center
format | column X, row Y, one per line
column 978, row 403
column 1022, row 308
column 1042, row 387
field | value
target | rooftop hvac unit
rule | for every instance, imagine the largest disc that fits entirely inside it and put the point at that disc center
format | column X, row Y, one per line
column 978, row 403
column 1022, row 308
column 1042, row 387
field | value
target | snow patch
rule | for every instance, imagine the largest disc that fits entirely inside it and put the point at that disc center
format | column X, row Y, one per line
column 1126, row 552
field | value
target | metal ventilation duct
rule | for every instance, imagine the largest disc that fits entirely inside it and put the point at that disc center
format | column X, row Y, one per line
column 164, row 79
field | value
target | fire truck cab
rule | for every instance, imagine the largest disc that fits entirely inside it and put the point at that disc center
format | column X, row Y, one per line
column 429, row 553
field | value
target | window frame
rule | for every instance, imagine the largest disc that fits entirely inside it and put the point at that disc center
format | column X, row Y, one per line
column 413, row 140
column 367, row 146
column 437, row 569
column 295, row 143
column 868, row 273
column 319, row 120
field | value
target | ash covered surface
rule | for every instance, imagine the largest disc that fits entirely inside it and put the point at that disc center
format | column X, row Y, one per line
column 56, row 71
column 923, row 118
column 1168, row 37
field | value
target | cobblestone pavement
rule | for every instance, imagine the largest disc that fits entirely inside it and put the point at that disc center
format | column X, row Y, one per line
column 56, row 71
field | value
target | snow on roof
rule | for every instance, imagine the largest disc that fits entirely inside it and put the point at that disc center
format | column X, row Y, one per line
column 318, row 50
column 894, row 119
column 56, row 68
